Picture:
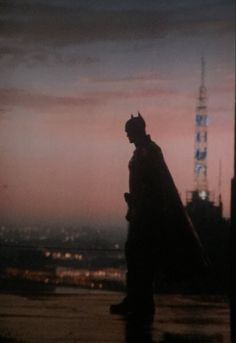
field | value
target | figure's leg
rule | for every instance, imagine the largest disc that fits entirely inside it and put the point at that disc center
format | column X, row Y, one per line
column 139, row 281
column 140, row 277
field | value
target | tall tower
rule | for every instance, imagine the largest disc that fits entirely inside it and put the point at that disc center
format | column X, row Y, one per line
column 205, row 213
column 200, row 142
column 199, row 201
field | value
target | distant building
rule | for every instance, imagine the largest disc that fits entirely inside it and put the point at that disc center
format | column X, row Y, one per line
column 203, row 211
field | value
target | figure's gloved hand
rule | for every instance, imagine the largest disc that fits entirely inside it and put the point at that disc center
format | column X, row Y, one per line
column 131, row 213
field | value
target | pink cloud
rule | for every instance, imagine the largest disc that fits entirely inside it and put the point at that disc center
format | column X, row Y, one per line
column 27, row 99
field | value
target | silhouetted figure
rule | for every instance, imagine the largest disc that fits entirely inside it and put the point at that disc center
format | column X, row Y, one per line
column 160, row 237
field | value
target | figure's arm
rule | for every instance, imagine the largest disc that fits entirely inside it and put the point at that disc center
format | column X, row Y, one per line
column 147, row 194
column 154, row 184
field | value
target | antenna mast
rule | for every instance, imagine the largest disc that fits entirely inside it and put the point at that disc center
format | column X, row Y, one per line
column 200, row 144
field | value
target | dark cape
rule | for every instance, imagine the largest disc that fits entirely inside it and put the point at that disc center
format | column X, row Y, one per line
column 157, row 212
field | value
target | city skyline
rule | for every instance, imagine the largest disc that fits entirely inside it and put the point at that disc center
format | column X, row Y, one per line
column 71, row 75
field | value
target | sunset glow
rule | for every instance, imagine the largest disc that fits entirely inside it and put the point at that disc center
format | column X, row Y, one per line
column 71, row 75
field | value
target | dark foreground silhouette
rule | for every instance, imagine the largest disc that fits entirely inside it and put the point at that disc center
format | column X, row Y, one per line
column 161, row 238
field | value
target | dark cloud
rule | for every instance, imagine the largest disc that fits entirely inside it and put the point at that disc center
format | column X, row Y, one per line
column 64, row 23
column 46, row 25
column 39, row 31
column 13, row 53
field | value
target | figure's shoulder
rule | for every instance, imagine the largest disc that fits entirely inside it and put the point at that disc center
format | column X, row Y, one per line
column 155, row 149
column 149, row 151
column 155, row 146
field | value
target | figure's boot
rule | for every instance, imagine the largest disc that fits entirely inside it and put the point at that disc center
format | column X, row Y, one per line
column 138, row 308
column 139, row 300
column 121, row 308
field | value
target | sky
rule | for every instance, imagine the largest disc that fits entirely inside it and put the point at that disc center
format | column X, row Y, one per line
column 72, row 73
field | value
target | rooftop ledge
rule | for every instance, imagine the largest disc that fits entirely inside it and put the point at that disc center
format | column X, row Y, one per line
column 85, row 318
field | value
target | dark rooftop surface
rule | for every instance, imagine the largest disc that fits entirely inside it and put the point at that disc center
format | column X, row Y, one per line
column 85, row 318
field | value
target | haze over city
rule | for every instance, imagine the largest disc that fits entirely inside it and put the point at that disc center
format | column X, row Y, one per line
column 71, row 75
